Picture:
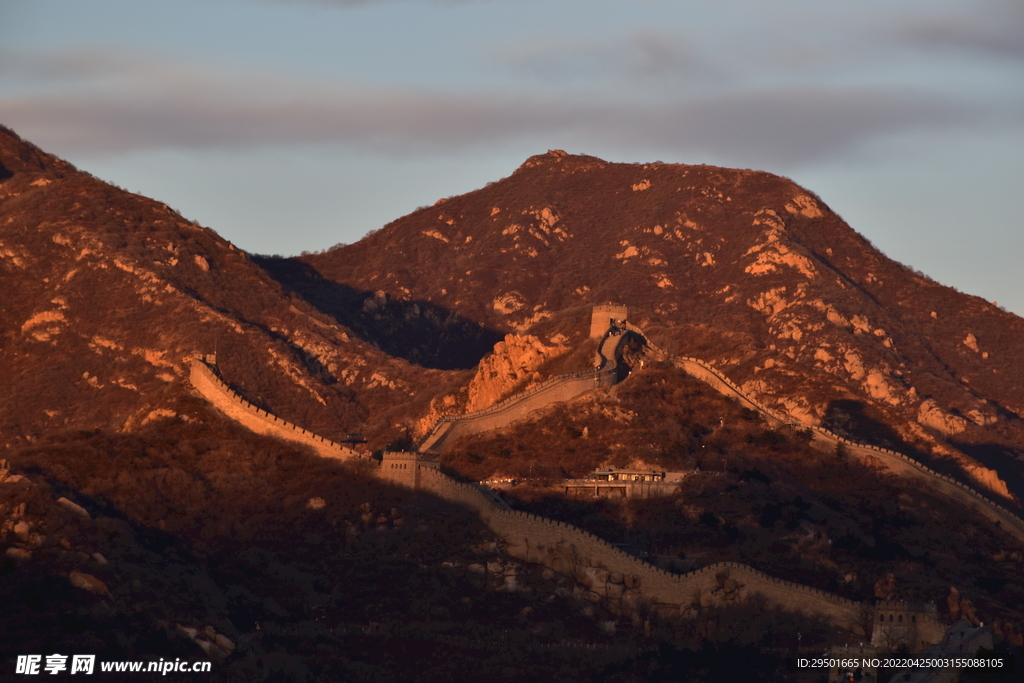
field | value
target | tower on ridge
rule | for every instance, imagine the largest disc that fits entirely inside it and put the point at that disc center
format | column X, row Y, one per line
column 604, row 316
column 403, row 467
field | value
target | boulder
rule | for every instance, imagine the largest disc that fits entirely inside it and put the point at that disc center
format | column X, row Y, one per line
column 593, row 577
column 885, row 588
column 187, row 631
column 953, row 602
column 931, row 415
column 512, row 362
column 710, row 596
column 88, row 582
column 211, row 649
column 224, row 643
column 75, row 508
column 614, row 591
column 5, row 473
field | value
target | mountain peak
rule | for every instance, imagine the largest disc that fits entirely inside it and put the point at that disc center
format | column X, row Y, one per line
column 557, row 158
column 744, row 269
column 21, row 156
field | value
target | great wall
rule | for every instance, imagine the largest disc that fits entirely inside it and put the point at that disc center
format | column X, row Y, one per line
column 824, row 440
column 609, row 574
column 217, row 392
column 623, row 580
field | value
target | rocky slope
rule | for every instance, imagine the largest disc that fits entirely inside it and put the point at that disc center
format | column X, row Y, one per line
column 743, row 269
column 137, row 523
column 452, row 308
column 106, row 294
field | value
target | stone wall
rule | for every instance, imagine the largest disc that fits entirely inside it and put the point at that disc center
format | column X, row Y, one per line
column 827, row 441
column 214, row 390
column 622, row 580
column 903, row 465
column 610, row 574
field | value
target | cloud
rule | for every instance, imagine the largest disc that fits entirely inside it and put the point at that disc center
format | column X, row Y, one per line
column 60, row 65
column 126, row 102
column 644, row 54
column 139, row 102
column 990, row 29
column 355, row 3
column 790, row 126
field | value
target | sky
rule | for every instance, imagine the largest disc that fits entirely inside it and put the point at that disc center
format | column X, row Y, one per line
column 295, row 125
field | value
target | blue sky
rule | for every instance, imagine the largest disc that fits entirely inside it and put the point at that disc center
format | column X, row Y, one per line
column 291, row 125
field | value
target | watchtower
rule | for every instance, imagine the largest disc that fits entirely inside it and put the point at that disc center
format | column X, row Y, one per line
column 403, row 467
column 605, row 316
column 915, row 625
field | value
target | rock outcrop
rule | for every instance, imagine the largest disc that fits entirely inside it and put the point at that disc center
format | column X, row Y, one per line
column 511, row 367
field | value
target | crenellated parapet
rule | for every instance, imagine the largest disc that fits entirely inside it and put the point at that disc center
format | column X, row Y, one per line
column 824, row 440
column 622, row 579
column 217, row 392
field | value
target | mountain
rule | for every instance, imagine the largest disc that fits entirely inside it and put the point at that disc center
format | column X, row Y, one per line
column 107, row 294
column 138, row 522
column 743, row 269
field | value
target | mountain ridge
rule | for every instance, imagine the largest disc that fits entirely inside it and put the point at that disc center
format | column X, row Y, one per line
column 451, row 309
column 742, row 268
